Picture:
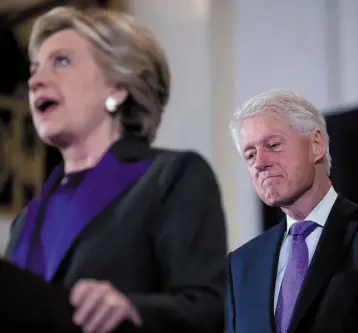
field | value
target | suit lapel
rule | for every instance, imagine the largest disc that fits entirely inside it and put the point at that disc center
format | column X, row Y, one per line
column 334, row 240
column 258, row 287
column 101, row 185
column 22, row 236
column 269, row 300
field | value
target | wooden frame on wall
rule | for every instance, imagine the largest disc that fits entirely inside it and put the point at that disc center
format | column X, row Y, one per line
column 22, row 157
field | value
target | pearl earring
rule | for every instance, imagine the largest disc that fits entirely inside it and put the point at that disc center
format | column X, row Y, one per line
column 111, row 104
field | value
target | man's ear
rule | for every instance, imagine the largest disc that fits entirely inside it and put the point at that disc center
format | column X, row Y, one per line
column 318, row 145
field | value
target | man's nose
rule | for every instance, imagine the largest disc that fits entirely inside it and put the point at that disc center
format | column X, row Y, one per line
column 262, row 161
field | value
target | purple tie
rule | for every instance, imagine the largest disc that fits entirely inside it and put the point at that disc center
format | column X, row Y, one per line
column 294, row 274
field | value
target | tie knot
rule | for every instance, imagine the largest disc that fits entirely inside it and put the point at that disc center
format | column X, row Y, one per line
column 303, row 228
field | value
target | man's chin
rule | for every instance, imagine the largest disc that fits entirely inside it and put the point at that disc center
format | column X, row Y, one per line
column 272, row 203
column 279, row 201
column 271, row 199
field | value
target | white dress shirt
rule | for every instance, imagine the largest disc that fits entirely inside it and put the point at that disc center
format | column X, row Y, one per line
column 318, row 215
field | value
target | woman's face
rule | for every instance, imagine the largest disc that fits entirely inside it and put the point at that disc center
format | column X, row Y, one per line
column 67, row 90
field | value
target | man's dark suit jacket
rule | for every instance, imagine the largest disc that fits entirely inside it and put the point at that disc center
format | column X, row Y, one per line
column 161, row 242
column 329, row 295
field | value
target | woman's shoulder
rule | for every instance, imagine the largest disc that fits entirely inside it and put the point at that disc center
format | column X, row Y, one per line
column 184, row 157
column 184, row 166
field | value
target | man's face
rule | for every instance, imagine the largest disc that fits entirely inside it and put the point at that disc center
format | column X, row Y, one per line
column 281, row 161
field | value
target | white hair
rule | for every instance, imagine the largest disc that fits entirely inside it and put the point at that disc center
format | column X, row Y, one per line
column 292, row 107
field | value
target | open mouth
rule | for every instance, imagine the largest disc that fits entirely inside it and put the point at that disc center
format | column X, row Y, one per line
column 45, row 105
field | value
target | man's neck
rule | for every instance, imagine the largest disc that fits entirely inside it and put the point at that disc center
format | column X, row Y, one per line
column 307, row 202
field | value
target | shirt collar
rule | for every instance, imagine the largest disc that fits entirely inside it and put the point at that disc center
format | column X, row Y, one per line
column 321, row 212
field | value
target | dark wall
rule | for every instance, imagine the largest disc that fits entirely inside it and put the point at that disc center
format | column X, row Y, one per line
column 343, row 132
column 13, row 62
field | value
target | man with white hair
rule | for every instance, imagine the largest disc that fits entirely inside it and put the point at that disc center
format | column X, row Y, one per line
column 298, row 276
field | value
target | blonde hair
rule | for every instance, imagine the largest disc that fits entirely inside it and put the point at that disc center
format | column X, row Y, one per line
column 292, row 107
column 129, row 55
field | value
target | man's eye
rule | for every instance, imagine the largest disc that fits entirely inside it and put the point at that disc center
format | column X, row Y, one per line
column 249, row 156
column 274, row 145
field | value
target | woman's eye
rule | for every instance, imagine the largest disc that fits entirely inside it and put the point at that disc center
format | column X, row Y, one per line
column 62, row 61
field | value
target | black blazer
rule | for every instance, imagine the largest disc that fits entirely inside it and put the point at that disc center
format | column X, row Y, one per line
column 161, row 241
column 328, row 298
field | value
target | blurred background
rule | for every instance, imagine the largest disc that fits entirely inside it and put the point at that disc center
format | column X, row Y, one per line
column 221, row 52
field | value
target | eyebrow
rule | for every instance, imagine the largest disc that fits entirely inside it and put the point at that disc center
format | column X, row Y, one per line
column 267, row 138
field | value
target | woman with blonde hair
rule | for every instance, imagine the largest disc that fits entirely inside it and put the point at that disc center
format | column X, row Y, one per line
column 135, row 234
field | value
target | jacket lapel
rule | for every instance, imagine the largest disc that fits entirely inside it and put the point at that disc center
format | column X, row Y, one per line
column 269, row 299
column 257, row 288
column 334, row 240
column 102, row 184
column 22, row 236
